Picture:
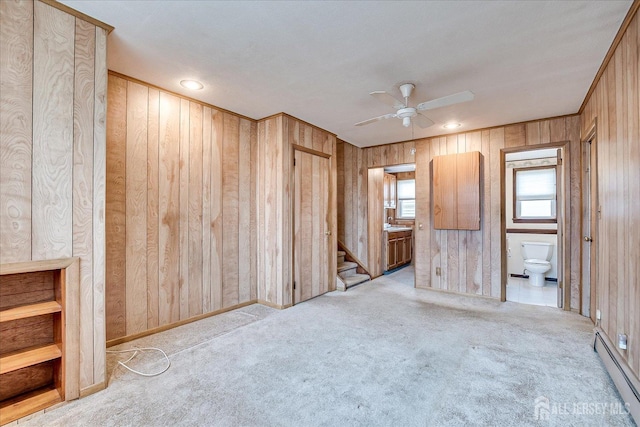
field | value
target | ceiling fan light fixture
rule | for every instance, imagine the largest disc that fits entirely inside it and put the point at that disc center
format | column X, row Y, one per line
column 452, row 125
column 406, row 121
column 191, row 84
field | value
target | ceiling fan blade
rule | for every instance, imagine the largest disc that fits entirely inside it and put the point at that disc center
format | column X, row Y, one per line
column 375, row 119
column 456, row 98
column 388, row 99
column 423, row 121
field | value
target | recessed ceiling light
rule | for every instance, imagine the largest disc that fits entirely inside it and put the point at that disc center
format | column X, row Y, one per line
column 191, row 84
column 452, row 125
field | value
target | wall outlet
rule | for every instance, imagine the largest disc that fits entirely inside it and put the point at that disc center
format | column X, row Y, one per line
column 438, row 271
column 622, row 341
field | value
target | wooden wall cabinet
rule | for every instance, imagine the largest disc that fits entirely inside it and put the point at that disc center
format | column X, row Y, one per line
column 389, row 191
column 39, row 336
column 456, row 191
column 398, row 248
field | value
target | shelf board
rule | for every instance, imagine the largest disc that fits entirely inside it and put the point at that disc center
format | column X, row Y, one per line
column 28, row 404
column 32, row 356
column 30, row 310
column 35, row 266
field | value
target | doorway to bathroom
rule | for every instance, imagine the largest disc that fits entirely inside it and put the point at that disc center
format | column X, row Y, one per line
column 532, row 227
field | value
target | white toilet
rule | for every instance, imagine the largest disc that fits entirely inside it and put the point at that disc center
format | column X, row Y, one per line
column 536, row 260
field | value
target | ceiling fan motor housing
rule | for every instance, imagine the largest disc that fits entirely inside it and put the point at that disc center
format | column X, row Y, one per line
column 405, row 114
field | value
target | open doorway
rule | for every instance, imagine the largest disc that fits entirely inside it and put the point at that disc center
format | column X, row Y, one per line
column 391, row 213
column 533, row 215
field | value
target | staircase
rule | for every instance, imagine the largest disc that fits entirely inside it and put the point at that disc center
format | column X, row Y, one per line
column 347, row 273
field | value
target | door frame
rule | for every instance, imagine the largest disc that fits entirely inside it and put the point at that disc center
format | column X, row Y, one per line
column 564, row 255
column 588, row 299
column 331, row 220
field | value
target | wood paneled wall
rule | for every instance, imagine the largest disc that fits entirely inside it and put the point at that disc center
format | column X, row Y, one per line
column 53, row 79
column 615, row 107
column 180, row 218
column 277, row 136
column 470, row 261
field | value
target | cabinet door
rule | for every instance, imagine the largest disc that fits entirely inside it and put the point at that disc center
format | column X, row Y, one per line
column 456, row 191
column 408, row 248
column 392, row 259
column 392, row 191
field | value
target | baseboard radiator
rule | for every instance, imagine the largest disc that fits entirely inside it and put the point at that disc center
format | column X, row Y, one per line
column 625, row 380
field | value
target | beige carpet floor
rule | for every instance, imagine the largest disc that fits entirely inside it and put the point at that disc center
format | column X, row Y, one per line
column 380, row 354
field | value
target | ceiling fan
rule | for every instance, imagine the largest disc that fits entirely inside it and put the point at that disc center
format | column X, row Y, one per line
column 407, row 113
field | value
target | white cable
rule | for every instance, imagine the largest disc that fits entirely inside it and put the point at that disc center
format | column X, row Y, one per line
column 135, row 351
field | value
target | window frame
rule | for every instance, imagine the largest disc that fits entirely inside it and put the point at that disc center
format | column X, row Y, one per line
column 398, row 199
column 515, row 198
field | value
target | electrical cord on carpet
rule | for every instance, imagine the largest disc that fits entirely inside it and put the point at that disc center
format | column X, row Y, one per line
column 135, row 351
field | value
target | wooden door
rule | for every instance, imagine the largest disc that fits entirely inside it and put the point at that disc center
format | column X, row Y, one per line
column 563, row 287
column 312, row 226
column 589, row 221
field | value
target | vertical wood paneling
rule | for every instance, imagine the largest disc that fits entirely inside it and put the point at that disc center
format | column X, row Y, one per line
column 422, row 233
column 614, row 106
column 52, row 157
column 206, row 209
column 361, row 226
column 99, row 209
column 533, row 133
column 253, row 218
column 195, row 253
column 185, row 133
column 53, row 82
column 216, row 209
column 186, row 201
column 375, row 216
column 485, row 218
column 115, row 222
column 474, row 238
column 244, row 210
column 230, row 235
column 496, row 137
column 16, row 57
column 136, row 208
column 83, row 159
column 169, row 210
column 153, row 208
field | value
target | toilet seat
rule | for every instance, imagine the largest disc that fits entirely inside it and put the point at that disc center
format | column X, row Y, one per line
column 537, row 262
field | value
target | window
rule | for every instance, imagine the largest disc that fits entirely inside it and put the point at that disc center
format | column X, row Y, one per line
column 406, row 192
column 534, row 192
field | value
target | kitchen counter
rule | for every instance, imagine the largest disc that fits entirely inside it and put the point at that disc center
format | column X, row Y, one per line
column 398, row 228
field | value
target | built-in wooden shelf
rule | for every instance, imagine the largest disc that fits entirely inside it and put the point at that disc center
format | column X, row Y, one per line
column 39, row 339
column 30, row 310
column 28, row 404
column 32, row 356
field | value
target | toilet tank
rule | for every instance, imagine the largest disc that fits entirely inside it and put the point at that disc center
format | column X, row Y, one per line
column 537, row 250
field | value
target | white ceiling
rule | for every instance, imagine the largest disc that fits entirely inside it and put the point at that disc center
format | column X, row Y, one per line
column 318, row 60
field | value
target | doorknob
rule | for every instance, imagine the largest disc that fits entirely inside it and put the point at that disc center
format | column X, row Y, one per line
column 328, row 233
column 588, row 239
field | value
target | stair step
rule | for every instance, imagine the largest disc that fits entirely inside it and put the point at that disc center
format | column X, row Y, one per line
column 346, row 266
column 355, row 279
column 340, row 260
column 341, row 253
